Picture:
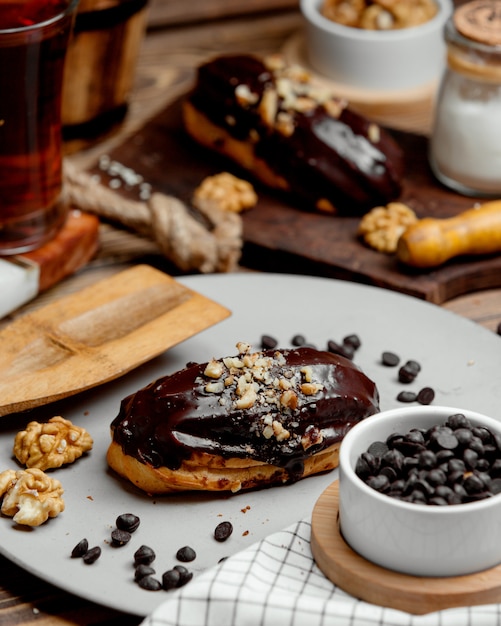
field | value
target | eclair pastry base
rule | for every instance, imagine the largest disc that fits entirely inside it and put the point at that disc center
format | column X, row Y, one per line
column 207, row 472
column 216, row 138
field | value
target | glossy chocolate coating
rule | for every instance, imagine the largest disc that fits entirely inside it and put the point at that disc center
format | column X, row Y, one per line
column 166, row 421
column 326, row 157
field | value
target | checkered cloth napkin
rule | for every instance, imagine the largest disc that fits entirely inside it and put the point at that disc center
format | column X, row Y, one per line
column 276, row 583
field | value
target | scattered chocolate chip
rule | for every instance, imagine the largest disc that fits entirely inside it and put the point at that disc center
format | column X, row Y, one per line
column 426, row 395
column 80, row 549
column 268, row 343
column 149, row 583
column 407, row 396
column 92, row 555
column 143, row 570
column 352, row 340
column 120, row 537
column 184, row 575
column 408, row 372
column 223, row 531
column 144, row 555
column 170, row 579
column 390, row 359
column 186, row 554
column 298, row 340
column 345, row 350
column 128, row 522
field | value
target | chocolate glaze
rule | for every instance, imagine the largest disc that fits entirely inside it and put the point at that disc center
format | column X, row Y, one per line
column 166, row 421
column 326, row 157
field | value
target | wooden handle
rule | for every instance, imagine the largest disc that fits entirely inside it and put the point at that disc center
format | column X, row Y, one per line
column 431, row 242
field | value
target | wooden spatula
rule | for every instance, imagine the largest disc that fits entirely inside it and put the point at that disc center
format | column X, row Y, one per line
column 96, row 335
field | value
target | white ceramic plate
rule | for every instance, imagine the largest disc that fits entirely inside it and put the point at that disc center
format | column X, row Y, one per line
column 459, row 359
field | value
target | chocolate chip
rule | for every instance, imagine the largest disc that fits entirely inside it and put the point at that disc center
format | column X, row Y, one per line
column 268, row 342
column 298, row 340
column 407, row 396
column 345, row 350
column 143, row 570
column 149, row 583
column 170, row 579
column 128, row 522
column 184, row 575
column 92, row 555
column 144, row 555
column 408, row 372
column 426, row 395
column 378, row 448
column 80, row 549
column 186, row 554
column 390, row 359
column 120, row 537
column 223, row 531
column 352, row 340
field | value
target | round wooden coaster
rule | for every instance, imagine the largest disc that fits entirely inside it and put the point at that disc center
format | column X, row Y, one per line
column 375, row 584
column 410, row 110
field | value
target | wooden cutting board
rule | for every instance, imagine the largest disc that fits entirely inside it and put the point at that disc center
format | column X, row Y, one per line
column 283, row 238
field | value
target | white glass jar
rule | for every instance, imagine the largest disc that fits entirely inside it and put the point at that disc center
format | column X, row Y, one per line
column 465, row 145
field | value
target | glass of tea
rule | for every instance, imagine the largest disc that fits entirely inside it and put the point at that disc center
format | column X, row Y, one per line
column 34, row 37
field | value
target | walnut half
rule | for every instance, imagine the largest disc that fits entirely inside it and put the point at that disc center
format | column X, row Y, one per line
column 381, row 227
column 51, row 444
column 225, row 192
column 30, row 497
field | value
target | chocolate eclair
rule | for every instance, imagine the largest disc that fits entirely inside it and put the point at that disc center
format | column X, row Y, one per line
column 258, row 418
column 293, row 135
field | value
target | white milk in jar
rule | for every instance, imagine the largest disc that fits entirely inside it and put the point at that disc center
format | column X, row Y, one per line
column 465, row 146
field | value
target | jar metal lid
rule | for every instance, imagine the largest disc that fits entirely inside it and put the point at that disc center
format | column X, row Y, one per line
column 480, row 20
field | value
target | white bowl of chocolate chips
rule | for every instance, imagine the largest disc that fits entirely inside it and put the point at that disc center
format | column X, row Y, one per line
column 420, row 490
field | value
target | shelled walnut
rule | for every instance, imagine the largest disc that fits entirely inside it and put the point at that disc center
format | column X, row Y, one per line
column 379, row 14
column 30, row 497
column 382, row 227
column 225, row 192
column 51, row 444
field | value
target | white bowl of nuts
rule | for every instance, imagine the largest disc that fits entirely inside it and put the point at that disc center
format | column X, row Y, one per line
column 420, row 490
column 385, row 45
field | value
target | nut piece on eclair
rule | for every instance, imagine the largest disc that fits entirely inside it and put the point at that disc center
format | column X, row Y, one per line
column 293, row 135
column 240, row 422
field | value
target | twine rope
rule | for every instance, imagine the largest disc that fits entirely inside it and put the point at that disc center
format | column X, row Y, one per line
column 182, row 239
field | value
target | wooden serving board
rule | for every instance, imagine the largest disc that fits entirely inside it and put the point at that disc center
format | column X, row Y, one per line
column 96, row 335
column 375, row 584
column 283, row 238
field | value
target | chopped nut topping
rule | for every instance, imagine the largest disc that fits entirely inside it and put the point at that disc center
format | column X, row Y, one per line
column 382, row 227
column 312, row 436
column 268, row 107
column 310, row 389
column 52, row 444
column 294, row 92
column 244, row 95
column 259, row 381
column 214, row 369
column 289, row 399
column 374, row 133
column 307, row 372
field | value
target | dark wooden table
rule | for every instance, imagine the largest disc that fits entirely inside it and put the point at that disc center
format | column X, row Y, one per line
column 172, row 48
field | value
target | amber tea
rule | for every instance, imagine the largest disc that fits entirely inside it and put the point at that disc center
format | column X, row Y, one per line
column 34, row 37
